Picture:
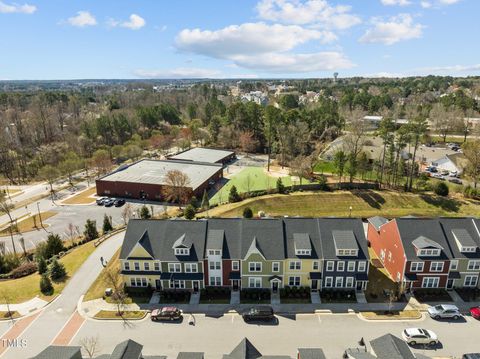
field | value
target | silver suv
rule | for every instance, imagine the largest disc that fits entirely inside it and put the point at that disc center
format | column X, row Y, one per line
column 442, row 311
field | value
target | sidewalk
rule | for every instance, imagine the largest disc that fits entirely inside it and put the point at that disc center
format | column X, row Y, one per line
column 26, row 307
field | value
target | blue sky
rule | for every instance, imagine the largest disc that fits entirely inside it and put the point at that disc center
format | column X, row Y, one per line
column 75, row 39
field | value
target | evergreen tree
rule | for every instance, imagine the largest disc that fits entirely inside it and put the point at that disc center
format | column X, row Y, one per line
column 42, row 266
column 280, row 186
column 189, row 212
column 233, row 196
column 145, row 213
column 54, row 245
column 247, row 212
column 46, row 286
column 90, row 231
column 107, row 224
column 57, row 270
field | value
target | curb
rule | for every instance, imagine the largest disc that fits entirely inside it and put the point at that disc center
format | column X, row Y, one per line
column 419, row 318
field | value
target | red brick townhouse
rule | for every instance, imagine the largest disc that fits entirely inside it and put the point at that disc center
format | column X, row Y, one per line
column 414, row 251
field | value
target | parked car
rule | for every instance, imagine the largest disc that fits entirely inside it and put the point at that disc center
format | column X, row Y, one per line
column 119, row 202
column 264, row 313
column 455, row 148
column 453, row 173
column 415, row 336
column 471, row 356
column 455, row 180
column 438, row 176
column 109, row 202
column 432, row 169
column 444, row 172
column 101, row 201
column 475, row 312
column 442, row 311
column 166, row 313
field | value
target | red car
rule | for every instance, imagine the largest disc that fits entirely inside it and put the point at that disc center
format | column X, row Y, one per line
column 475, row 312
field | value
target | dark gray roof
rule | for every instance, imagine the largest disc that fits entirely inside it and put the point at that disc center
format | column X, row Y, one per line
column 423, row 242
column 463, row 237
column 244, row 350
column 310, row 353
column 145, row 243
column 344, row 239
column 464, row 227
column 268, row 235
column 59, row 352
column 359, row 353
column 215, row 238
column 190, row 355
column 412, row 228
column 302, row 226
column 302, row 241
column 377, row 221
column 127, row 349
column 389, row 346
column 327, row 228
column 232, row 230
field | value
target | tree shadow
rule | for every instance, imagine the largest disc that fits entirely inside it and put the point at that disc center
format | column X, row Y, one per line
column 373, row 199
column 446, row 204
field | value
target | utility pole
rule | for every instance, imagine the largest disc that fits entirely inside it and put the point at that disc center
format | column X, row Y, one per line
column 39, row 214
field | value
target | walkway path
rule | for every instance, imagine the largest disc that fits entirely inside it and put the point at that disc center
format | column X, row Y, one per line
column 26, row 307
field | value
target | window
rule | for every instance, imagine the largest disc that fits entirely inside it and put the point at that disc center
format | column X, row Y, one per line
column 156, row 266
column 398, row 277
column 191, row 267
column 436, row 266
column 430, row 282
column 136, row 265
column 276, row 267
column 214, row 265
column 254, row 282
column 182, row 251
column 347, row 252
column 146, row 266
column 216, row 281
column 339, row 282
column 350, row 266
column 294, row 281
column 429, row 252
column 214, row 252
column 254, row 267
column 316, row 265
column 174, row 267
column 454, row 265
column 330, row 265
column 349, row 282
column 340, row 266
column 362, row 266
column 416, row 267
column 470, row 280
column 295, row 265
column 177, row 284
column 473, row 265
column 328, row 282
column 235, row 265
column 126, row 266
column 468, row 249
column 303, row 252
column 138, row 282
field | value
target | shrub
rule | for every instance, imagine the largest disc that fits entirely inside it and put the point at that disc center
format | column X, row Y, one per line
column 441, row 189
column 189, row 212
column 107, row 224
column 145, row 213
column 247, row 212
column 8, row 262
column 57, row 271
column 280, row 186
column 46, row 285
column 90, row 231
column 42, row 265
column 233, row 196
column 24, row 269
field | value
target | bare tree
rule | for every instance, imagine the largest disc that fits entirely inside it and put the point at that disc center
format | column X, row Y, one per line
column 248, row 142
column 50, row 174
column 7, row 207
column 471, row 150
column 177, row 188
column 90, row 345
column 355, row 139
column 73, row 232
column 127, row 213
column 6, row 300
column 114, row 280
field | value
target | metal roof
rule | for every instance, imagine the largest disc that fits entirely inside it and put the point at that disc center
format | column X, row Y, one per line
column 422, row 242
column 377, row 221
column 201, row 154
column 344, row 239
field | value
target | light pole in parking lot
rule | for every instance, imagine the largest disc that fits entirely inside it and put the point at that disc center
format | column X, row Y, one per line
column 39, row 214
column 350, row 215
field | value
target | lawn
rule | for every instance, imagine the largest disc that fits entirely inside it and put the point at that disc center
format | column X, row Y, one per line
column 23, row 289
column 324, row 167
column 399, row 315
column 31, row 223
column 97, row 289
column 364, row 204
column 83, row 197
column 126, row 315
column 247, row 180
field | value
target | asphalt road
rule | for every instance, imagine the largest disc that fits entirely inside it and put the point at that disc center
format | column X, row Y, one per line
column 218, row 336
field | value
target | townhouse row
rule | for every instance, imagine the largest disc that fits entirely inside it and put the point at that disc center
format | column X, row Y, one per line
column 246, row 253
column 320, row 253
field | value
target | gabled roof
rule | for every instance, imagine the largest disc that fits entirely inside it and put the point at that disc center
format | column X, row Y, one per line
column 469, row 230
column 128, row 349
column 145, row 243
column 254, row 248
column 422, row 242
column 269, row 237
column 305, row 227
column 327, row 226
column 215, row 238
column 244, row 350
column 389, row 346
column 60, row 352
column 463, row 237
column 182, row 242
column 344, row 239
column 302, row 241
column 377, row 221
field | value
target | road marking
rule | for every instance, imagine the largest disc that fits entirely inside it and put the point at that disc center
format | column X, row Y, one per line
column 69, row 330
column 18, row 328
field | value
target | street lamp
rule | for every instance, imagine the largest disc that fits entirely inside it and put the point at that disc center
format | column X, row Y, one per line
column 350, row 211
column 39, row 214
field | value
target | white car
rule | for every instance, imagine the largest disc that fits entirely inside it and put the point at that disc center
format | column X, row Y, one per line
column 415, row 336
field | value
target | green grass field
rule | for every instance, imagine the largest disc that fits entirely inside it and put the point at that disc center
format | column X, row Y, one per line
column 364, row 204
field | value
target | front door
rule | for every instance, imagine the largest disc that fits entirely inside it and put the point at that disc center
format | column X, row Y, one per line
column 158, row 284
column 450, row 284
column 195, row 286
column 274, row 286
column 314, row 284
column 359, row 285
column 235, row 284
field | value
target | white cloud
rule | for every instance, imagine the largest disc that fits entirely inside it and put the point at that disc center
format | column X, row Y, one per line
column 448, row 2
column 395, row 29
column 315, row 12
column 16, row 8
column 135, row 22
column 425, row 4
column 181, row 72
column 396, row 2
column 449, row 70
column 82, row 19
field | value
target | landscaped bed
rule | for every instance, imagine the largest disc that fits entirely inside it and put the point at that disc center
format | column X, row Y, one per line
column 84, row 197
column 432, row 295
column 255, row 296
column 294, row 295
column 338, row 296
column 9, row 315
column 469, row 294
column 215, row 296
column 386, row 315
column 29, row 224
column 175, row 296
column 125, row 315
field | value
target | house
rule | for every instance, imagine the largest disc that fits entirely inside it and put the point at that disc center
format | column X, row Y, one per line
column 387, row 346
column 451, row 162
column 428, row 253
column 60, row 352
column 245, row 253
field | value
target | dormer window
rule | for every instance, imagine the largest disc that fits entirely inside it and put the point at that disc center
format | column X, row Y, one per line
column 428, row 252
column 345, row 243
column 214, row 252
column 303, row 252
column 464, row 240
column 347, row 252
column 425, row 247
column 468, row 249
column 303, row 246
column 182, row 251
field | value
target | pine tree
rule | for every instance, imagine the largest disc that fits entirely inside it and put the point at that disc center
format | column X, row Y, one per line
column 107, row 224
column 189, row 212
column 57, row 270
column 46, row 286
column 90, row 231
column 247, row 212
column 280, row 186
column 42, row 266
column 145, row 213
column 233, row 195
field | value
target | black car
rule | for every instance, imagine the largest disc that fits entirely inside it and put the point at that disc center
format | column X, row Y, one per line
column 119, row 202
column 109, row 202
column 455, row 180
column 471, row 356
column 166, row 313
column 264, row 313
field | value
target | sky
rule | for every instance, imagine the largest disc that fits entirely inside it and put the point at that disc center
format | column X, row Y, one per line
column 123, row 39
